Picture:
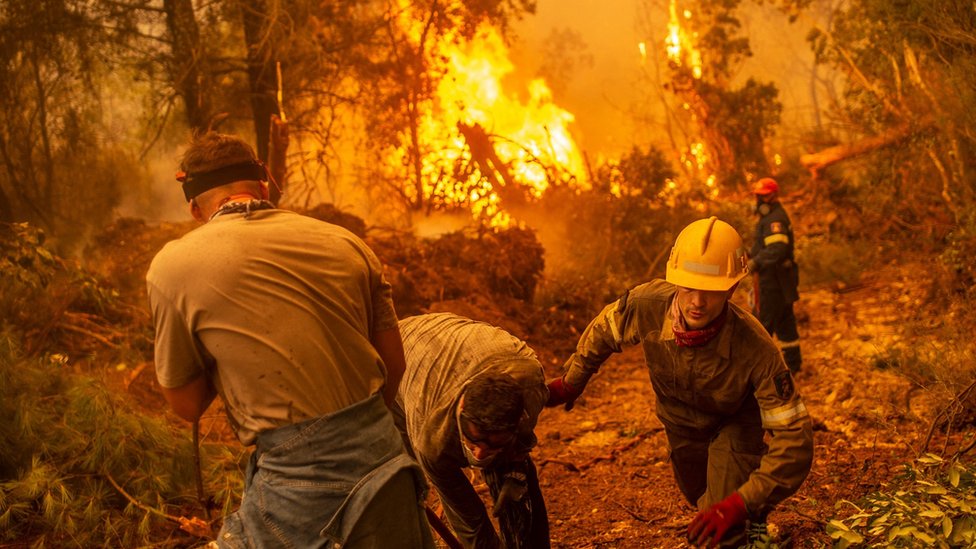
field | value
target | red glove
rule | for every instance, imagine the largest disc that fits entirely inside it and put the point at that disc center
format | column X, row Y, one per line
column 710, row 526
column 561, row 392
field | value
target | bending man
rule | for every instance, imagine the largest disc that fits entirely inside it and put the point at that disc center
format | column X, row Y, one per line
column 719, row 381
column 470, row 397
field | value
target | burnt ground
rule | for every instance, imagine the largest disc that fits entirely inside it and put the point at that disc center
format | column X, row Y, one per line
column 603, row 466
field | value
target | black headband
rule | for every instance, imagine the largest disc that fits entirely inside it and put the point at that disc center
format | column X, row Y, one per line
column 196, row 183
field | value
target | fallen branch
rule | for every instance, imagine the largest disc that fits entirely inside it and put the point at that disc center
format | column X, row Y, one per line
column 816, row 162
column 567, row 464
column 442, row 530
column 605, row 457
column 805, row 516
column 633, row 514
column 618, row 449
column 192, row 525
column 944, row 412
column 89, row 333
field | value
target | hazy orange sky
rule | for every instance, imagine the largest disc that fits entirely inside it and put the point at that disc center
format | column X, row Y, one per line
column 606, row 94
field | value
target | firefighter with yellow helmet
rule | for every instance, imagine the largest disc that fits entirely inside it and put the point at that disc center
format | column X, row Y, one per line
column 719, row 380
column 772, row 262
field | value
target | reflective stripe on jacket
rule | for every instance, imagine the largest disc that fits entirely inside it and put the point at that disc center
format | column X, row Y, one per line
column 772, row 252
column 738, row 376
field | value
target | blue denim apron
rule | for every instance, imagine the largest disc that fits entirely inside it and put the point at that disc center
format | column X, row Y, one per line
column 307, row 484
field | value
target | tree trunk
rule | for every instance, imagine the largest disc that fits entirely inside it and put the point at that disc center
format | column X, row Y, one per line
column 188, row 65
column 817, row 161
column 491, row 166
column 261, row 71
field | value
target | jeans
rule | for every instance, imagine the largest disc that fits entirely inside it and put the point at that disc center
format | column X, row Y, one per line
column 342, row 480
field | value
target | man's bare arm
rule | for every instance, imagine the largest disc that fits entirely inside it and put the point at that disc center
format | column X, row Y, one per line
column 191, row 400
column 390, row 348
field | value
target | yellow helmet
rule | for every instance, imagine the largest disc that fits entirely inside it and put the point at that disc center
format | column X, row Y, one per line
column 707, row 255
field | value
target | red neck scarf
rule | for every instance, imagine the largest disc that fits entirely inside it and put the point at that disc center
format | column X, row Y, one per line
column 694, row 338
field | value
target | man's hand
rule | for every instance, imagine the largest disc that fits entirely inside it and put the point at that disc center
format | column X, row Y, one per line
column 709, row 526
column 561, row 392
column 514, row 488
column 752, row 266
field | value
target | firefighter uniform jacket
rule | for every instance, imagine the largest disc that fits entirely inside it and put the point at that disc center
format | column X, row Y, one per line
column 772, row 253
column 739, row 376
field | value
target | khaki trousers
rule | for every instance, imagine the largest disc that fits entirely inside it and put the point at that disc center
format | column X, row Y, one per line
column 707, row 471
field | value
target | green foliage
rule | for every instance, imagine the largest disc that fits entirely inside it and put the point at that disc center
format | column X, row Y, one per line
column 37, row 287
column 61, row 169
column 66, row 439
column 931, row 504
column 910, row 82
column 746, row 116
column 618, row 233
column 758, row 537
column 733, row 122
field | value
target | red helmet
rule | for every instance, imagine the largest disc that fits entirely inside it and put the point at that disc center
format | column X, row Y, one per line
column 765, row 186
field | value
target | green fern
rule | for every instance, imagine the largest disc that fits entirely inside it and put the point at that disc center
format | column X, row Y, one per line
column 932, row 503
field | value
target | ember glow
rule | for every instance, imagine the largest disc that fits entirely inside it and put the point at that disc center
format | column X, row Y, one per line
column 679, row 45
column 481, row 144
column 685, row 59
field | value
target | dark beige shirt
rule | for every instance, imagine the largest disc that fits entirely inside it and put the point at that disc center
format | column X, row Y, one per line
column 739, row 376
column 278, row 308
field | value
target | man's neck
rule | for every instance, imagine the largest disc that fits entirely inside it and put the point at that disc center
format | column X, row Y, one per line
column 237, row 197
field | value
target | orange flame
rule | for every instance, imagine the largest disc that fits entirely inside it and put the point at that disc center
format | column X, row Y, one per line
column 678, row 43
column 531, row 138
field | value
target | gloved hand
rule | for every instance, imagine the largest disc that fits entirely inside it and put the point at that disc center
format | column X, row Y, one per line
column 752, row 266
column 709, row 526
column 514, row 488
column 561, row 392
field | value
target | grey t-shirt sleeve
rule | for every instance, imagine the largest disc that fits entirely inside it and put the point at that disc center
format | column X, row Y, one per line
column 178, row 356
column 383, row 311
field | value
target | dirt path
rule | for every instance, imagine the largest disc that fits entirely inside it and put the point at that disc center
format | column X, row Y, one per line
column 604, row 468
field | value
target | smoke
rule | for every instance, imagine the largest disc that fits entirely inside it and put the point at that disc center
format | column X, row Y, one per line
column 157, row 197
column 600, row 91
column 615, row 96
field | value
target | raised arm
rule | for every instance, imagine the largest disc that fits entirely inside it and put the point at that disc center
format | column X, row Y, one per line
column 189, row 401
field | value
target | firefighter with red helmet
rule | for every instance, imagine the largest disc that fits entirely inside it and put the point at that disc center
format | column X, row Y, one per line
column 772, row 262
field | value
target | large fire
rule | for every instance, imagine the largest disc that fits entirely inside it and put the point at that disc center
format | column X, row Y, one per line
column 479, row 141
column 679, row 44
column 686, row 60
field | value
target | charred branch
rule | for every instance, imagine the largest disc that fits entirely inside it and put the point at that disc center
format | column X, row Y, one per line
column 491, row 166
column 188, row 65
column 816, row 162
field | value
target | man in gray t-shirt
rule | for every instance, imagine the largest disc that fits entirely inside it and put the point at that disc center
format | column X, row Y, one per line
column 290, row 321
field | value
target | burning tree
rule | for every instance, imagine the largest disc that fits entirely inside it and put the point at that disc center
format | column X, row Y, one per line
column 724, row 126
column 903, row 141
column 448, row 135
